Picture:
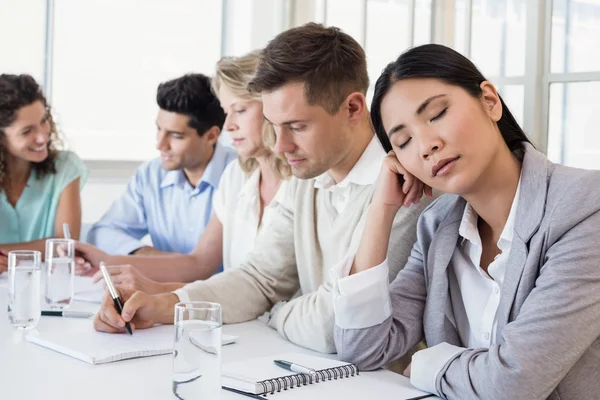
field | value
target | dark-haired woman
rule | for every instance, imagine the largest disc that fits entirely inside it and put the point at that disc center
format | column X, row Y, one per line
column 503, row 282
column 39, row 185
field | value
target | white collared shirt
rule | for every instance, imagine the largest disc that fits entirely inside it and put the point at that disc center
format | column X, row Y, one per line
column 475, row 297
column 365, row 172
column 237, row 205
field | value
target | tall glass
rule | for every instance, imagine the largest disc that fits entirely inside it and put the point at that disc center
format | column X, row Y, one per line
column 197, row 350
column 60, row 272
column 24, row 270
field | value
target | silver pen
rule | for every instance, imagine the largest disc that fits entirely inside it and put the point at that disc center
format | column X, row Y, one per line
column 290, row 366
column 66, row 231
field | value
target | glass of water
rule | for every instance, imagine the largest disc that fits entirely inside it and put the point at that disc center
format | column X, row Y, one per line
column 197, row 350
column 24, row 308
column 60, row 272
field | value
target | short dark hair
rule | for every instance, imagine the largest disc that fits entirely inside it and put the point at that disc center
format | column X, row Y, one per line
column 329, row 62
column 16, row 92
column 192, row 95
column 449, row 66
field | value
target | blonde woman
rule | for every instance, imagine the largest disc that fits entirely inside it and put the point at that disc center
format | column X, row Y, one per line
column 242, row 205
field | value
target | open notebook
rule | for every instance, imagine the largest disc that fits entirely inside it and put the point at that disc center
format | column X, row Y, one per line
column 87, row 291
column 334, row 380
column 98, row 348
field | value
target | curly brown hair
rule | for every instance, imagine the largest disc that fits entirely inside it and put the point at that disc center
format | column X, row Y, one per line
column 16, row 92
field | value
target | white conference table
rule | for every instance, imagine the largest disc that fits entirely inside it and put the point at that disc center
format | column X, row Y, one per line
column 29, row 371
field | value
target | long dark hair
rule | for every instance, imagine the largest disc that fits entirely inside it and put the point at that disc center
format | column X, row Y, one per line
column 16, row 92
column 449, row 66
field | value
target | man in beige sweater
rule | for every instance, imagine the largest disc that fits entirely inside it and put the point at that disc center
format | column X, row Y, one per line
column 313, row 82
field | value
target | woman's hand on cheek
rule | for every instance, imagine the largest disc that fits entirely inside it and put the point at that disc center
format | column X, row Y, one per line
column 396, row 187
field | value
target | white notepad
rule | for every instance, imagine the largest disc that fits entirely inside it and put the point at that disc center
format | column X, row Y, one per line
column 98, row 348
column 337, row 379
column 87, row 291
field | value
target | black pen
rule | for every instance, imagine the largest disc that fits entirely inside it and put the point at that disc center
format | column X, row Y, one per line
column 254, row 396
column 114, row 294
column 422, row 397
column 67, row 314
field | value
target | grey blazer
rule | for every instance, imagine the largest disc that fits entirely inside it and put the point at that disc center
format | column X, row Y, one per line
column 548, row 332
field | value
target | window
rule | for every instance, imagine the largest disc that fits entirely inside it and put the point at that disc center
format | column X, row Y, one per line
column 497, row 45
column 385, row 28
column 386, row 39
column 110, row 56
column 23, row 38
column 574, row 107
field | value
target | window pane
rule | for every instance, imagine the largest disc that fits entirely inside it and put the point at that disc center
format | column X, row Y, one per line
column 348, row 15
column 573, row 124
column 575, row 32
column 110, row 56
column 22, row 37
column 460, row 26
column 498, row 36
column 388, row 22
column 514, row 98
column 422, row 22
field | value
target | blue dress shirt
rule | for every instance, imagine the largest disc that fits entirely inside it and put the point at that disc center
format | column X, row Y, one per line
column 163, row 204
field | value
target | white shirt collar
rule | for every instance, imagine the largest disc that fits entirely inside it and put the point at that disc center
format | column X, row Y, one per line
column 364, row 172
column 468, row 225
column 251, row 185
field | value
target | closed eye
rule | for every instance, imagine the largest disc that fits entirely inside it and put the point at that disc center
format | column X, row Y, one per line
column 440, row 115
column 403, row 145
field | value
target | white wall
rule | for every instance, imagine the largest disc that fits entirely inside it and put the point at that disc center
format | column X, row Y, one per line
column 106, row 182
column 97, row 197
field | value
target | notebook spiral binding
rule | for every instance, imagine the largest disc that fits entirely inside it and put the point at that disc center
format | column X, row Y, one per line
column 271, row 386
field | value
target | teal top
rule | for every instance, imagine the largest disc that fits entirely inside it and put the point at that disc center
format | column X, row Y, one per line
column 35, row 212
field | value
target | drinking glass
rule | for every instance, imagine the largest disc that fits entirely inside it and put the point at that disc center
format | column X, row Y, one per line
column 60, row 272
column 197, row 350
column 24, row 270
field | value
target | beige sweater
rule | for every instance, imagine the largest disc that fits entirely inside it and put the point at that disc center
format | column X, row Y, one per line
column 292, row 259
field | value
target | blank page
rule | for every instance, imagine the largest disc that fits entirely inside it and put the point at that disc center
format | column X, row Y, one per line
column 368, row 385
column 98, row 347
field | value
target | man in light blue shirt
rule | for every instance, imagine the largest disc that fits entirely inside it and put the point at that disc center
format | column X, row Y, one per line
column 170, row 198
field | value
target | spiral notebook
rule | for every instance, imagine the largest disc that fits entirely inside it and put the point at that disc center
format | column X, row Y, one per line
column 261, row 376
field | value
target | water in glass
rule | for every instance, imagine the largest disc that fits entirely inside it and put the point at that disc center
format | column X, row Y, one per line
column 197, row 360
column 24, row 307
column 59, row 281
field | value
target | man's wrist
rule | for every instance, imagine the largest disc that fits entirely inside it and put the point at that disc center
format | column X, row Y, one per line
column 166, row 307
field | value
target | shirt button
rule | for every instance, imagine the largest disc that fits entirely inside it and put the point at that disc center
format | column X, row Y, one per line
column 486, row 336
column 496, row 290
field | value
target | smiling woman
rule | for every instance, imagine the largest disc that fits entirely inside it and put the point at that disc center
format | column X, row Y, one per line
column 39, row 184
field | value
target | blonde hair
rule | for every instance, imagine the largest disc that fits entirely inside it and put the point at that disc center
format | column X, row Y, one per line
column 235, row 73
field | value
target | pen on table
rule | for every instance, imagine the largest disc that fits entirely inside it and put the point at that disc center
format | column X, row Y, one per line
column 254, row 396
column 114, row 294
column 290, row 366
column 66, row 231
column 67, row 314
column 425, row 396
